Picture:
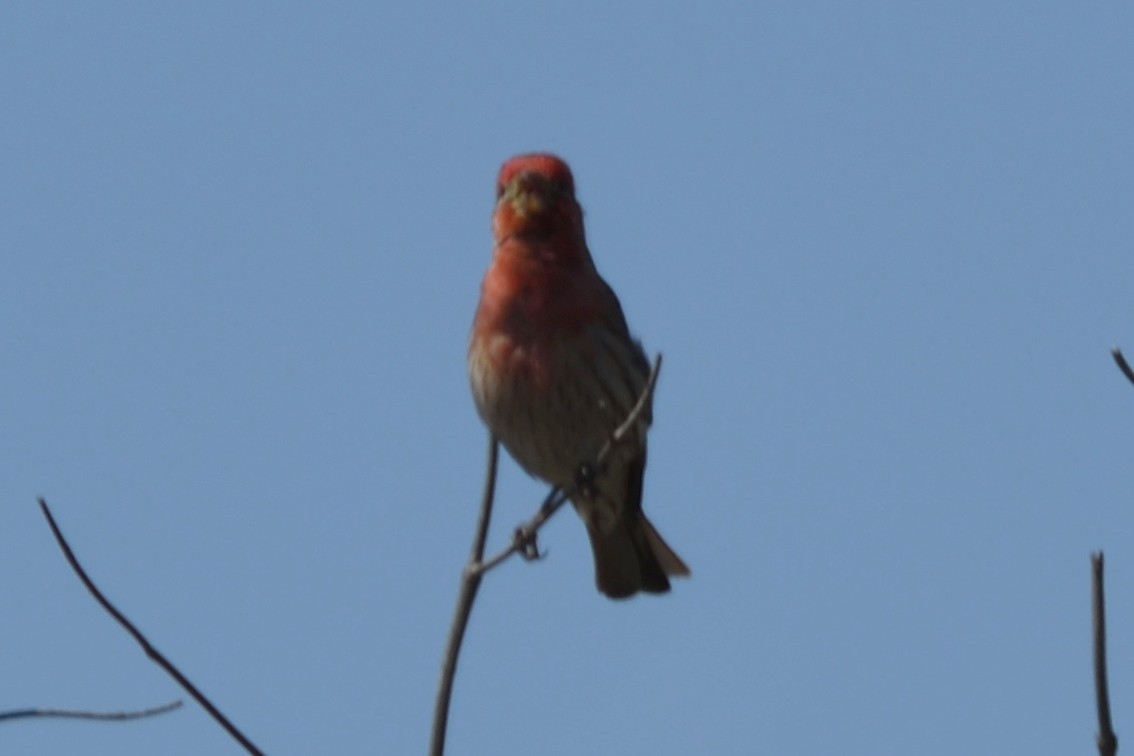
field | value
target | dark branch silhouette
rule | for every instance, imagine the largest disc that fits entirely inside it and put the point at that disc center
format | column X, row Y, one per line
column 1123, row 365
column 151, row 652
column 470, row 582
column 1106, row 739
column 523, row 542
column 101, row 716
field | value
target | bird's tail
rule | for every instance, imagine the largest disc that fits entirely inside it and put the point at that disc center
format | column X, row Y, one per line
column 632, row 558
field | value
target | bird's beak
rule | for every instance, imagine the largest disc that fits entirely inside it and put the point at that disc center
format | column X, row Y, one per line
column 529, row 194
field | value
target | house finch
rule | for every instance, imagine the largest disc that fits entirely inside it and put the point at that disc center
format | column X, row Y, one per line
column 554, row 370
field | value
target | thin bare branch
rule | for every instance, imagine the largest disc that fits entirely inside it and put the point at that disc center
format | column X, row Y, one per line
column 523, row 542
column 470, row 583
column 101, row 716
column 1123, row 365
column 1105, row 738
column 151, row 652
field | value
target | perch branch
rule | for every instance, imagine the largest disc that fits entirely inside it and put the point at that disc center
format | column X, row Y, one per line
column 523, row 542
column 470, row 583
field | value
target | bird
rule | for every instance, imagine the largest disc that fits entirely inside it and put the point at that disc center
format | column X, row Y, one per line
column 554, row 371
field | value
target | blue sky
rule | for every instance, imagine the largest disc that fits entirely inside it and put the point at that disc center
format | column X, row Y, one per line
column 883, row 247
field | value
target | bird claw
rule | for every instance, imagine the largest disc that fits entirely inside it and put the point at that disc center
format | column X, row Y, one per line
column 526, row 544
